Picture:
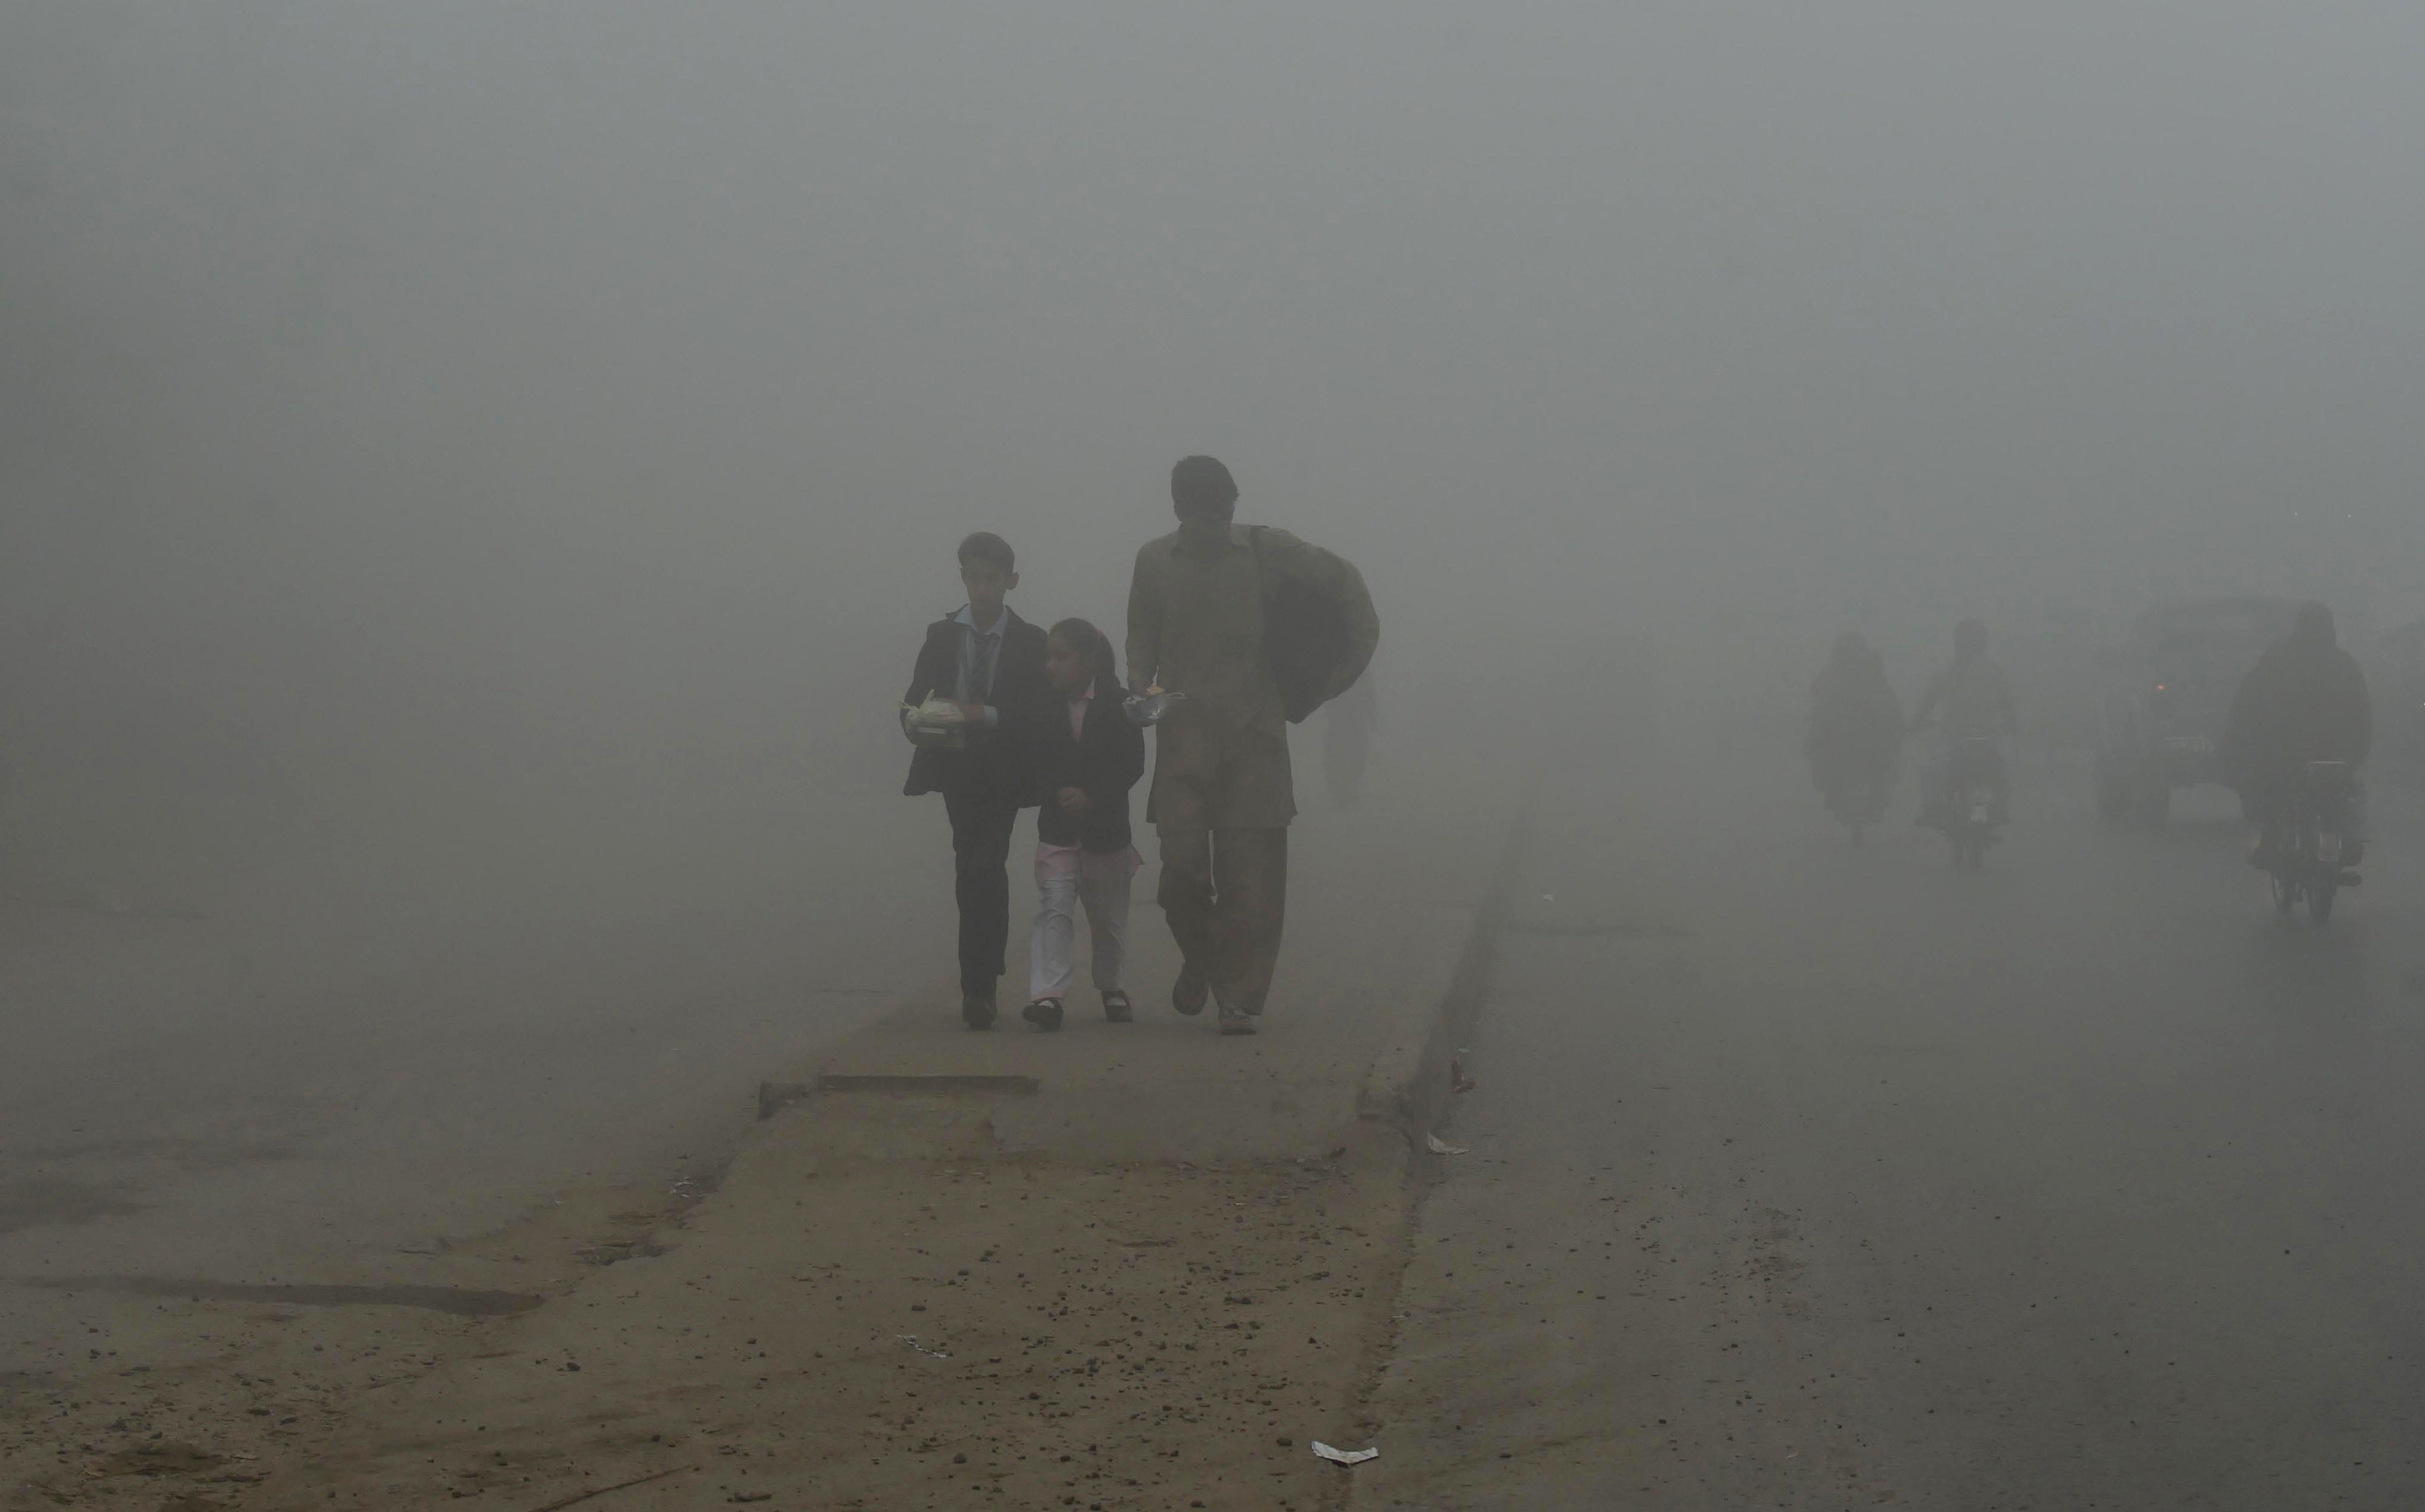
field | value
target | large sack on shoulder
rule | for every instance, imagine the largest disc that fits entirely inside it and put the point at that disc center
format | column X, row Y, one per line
column 1319, row 626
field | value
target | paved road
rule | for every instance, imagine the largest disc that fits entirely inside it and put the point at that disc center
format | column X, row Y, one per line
column 1832, row 1178
column 266, row 1081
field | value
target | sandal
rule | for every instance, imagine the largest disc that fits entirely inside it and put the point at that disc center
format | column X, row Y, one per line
column 1045, row 1013
column 1116, row 1008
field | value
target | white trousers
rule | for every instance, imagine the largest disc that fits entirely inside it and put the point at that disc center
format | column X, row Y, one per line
column 1065, row 878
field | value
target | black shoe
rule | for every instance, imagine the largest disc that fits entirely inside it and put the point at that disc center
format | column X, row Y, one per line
column 1187, row 995
column 1117, row 1009
column 977, row 1012
column 1045, row 1013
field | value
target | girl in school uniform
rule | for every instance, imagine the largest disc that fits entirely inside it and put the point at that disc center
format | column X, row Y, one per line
column 1087, row 755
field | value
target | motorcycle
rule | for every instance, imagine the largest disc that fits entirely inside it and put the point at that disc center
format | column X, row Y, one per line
column 2312, row 848
column 1965, row 805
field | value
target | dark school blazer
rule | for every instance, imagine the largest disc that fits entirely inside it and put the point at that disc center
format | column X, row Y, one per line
column 1105, row 762
column 995, row 764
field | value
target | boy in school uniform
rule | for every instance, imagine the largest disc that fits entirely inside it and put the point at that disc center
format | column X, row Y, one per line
column 991, row 663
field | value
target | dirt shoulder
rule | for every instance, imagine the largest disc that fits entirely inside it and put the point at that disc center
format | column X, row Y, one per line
column 831, row 1329
column 895, row 1298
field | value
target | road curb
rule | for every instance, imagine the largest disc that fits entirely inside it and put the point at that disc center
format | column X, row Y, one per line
column 1408, row 1086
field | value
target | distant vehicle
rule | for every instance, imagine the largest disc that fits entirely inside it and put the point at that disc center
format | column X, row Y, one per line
column 2309, row 861
column 1964, row 808
column 2169, row 695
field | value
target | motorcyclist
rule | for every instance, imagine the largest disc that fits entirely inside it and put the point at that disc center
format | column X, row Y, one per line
column 2306, row 700
column 1971, row 702
column 1856, row 724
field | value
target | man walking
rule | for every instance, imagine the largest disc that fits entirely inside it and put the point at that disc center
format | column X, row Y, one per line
column 1225, row 614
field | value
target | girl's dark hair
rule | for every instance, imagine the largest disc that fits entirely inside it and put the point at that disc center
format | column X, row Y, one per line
column 1082, row 635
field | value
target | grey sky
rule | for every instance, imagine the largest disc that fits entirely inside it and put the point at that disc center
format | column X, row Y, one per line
column 623, row 345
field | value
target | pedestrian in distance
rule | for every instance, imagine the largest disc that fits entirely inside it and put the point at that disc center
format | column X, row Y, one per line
column 1854, row 731
column 976, row 690
column 1970, row 701
column 1087, row 755
column 1257, row 629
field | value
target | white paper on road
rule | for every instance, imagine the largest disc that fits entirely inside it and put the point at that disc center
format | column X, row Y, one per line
column 1441, row 1147
column 911, row 1339
column 1344, row 1457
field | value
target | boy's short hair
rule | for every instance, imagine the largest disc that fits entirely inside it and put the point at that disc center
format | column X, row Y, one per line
column 989, row 549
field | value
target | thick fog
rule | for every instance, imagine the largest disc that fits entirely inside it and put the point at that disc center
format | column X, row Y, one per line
column 458, row 425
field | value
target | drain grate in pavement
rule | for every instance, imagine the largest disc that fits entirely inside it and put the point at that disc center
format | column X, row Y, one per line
column 773, row 1095
column 998, row 1086
column 458, row 1300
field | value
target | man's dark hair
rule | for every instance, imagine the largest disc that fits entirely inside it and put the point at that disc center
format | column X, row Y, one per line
column 1201, row 485
column 989, row 549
